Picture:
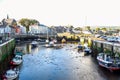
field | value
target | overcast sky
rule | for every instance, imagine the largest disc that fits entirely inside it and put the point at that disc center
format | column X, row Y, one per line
column 64, row 12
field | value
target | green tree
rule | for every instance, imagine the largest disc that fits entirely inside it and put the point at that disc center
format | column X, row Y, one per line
column 97, row 29
column 78, row 29
column 88, row 27
column 27, row 22
column 104, row 29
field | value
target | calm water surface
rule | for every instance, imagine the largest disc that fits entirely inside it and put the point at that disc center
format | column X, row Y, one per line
column 42, row 63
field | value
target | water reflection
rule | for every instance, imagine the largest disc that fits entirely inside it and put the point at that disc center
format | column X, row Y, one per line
column 28, row 48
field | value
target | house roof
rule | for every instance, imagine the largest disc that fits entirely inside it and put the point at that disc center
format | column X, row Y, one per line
column 42, row 25
column 8, row 21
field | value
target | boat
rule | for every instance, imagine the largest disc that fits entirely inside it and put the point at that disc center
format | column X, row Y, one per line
column 80, row 47
column 17, row 60
column 111, row 63
column 34, row 43
column 11, row 74
column 18, row 51
column 42, row 41
column 51, row 44
column 84, row 48
column 55, row 40
column 47, row 41
column 87, row 50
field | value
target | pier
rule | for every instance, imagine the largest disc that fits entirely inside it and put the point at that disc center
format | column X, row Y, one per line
column 102, row 45
column 6, row 53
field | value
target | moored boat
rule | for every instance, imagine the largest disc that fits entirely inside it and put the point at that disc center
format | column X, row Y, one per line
column 11, row 74
column 51, row 44
column 84, row 49
column 18, row 51
column 17, row 60
column 87, row 50
column 34, row 43
column 111, row 63
column 80, row 47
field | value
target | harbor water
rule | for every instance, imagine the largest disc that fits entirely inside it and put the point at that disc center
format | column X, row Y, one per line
column 41, row 63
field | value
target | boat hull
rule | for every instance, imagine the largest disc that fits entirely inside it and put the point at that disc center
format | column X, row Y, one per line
column 109, row 67
column 108, row 63
column 16, row 62
column 11, row 74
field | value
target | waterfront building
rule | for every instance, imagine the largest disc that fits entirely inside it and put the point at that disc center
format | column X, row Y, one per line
column 40, row 29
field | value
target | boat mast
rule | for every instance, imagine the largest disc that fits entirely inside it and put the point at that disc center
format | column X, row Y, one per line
column 47, row 33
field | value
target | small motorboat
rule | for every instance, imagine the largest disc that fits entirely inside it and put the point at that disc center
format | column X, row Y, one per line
column 108, row 62
column 18, row 51
column 87, row 50
column 17, row 60
column 34, row 43
column 54, row 40
column 47, row 41
column 80, row 47
column 11, row 74
column 50, row 45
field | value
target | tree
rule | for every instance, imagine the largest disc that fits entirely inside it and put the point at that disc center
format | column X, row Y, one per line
column 78, row 29
column 88, row 27
column 27, row 22
column 97, row 29
column 104, row 29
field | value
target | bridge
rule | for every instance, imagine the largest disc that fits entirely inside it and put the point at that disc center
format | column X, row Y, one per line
column 29, row 36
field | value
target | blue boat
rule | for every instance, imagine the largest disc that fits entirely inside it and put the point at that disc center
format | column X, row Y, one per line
column 18, row 51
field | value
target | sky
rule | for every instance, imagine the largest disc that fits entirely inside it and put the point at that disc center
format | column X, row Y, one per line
column 78, row 13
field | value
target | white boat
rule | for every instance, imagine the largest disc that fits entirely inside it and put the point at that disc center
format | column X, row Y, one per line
column 47, row 41
column 87, row 50
column 108, row 62
column 34, row 43
column 12, row 74
column 54, row 40
column 84, row 49
column 17, row 60
column 51, row 44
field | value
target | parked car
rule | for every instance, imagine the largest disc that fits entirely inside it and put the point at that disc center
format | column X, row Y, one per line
column 112, row 39
column 118, row 39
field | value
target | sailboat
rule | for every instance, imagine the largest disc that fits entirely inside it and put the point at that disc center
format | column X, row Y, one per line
column 51, row 43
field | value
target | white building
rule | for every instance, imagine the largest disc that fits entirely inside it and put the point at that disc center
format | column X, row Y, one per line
column 38, row 29
column 5, row 29
column 23, row 30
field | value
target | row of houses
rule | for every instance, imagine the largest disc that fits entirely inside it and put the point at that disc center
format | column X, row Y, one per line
column 12, row 27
